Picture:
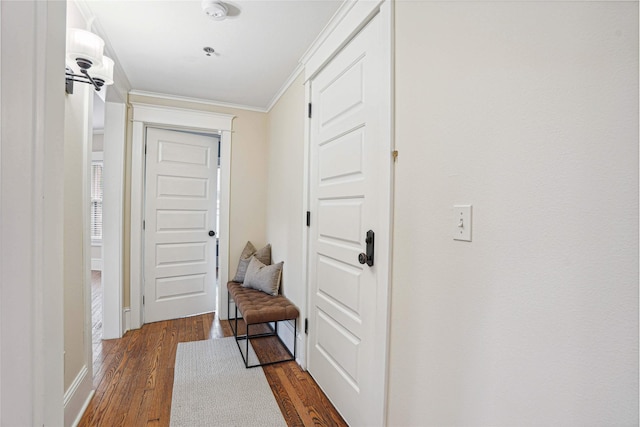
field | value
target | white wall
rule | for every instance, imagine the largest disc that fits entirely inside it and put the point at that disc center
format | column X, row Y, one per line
column 76, row 137
column 31, row 188
column 528, row 111
column 285, row 214
column 77, row 241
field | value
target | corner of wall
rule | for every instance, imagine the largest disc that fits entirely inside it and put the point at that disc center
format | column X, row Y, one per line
column 77, row 397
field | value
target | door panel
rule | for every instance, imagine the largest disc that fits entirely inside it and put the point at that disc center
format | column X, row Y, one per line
column 172, row 152
column 345, row 183
column 181, row 171
column 181, row 220
column 342, row 94
column 175, row 187
column 340, row 347
column 341, row 282
column 340, row 219
column 341, row 159
column 175, row 254
column 172, row 287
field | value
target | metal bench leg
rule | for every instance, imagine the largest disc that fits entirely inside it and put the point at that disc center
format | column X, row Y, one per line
column 246, row 361
column 295, row 337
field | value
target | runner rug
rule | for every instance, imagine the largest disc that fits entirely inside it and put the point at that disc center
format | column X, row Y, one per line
column 211, row 387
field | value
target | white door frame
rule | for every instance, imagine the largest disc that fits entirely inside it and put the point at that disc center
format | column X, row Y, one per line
column 152, row 115
column 115, row 134
column 115, row 137
column 346, row 24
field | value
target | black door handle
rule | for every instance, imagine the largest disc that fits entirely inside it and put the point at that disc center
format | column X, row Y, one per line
column 367, row 258
column 212, row 233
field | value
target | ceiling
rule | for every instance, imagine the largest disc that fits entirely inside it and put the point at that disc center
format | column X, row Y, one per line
column 159, row 45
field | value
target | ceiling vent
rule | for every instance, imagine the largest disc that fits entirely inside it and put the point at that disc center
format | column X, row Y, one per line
column 214, row 9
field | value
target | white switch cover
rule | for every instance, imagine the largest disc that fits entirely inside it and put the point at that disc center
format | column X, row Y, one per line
column 462, row 222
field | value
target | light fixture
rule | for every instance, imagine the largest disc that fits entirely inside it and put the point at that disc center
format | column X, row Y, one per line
column 215, row 10
column 85, row 50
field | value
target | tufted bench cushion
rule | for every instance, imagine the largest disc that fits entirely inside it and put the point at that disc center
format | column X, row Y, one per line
column 259, row 307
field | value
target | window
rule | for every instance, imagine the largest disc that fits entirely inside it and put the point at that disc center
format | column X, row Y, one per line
column 96, row 200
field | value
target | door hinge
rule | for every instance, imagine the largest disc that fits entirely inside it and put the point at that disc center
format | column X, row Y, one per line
column 309, row 110
column 306, row 326
column 145, row 148
column 142, row 299
column 144, row 224
column 308, row 219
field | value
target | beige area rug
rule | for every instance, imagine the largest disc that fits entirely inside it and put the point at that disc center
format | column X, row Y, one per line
column 211, row 387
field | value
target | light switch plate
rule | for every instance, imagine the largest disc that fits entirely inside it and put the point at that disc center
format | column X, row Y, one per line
column 462, row 222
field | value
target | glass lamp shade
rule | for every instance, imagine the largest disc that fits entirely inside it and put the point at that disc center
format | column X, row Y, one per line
column 104, row 72
column 84, row 48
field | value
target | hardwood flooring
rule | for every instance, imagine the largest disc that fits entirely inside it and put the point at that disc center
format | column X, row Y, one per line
column 133, row 378
column 96, row 312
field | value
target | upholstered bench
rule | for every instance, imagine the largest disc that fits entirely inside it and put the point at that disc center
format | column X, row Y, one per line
column 259, row 308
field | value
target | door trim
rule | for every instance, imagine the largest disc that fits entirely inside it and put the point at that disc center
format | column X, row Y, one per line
column 349, row 25
column 115, row 136
column 152, row 115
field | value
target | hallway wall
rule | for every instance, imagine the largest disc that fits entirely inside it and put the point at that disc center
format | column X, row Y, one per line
column 77, row 149
column 76, row 136
column 32, row 34
column 285, row 214
column 529, row 112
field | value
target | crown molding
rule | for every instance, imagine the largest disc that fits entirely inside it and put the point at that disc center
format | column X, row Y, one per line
column 197, row 101
column 328, row 29
column 292, row 78
column 337, row 17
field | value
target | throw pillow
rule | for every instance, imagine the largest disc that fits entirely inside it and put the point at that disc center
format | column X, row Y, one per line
column 245, row 256
column 264, row 255
column 265, row 278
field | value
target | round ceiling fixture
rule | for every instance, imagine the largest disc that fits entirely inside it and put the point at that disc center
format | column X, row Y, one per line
column 214, row 9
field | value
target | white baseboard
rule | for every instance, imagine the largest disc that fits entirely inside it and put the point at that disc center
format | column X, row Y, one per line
column 77, row 397
column 126, row 319
column 232, row 310
column 96, row 264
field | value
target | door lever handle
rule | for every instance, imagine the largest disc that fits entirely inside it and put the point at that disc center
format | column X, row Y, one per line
column 367, row 258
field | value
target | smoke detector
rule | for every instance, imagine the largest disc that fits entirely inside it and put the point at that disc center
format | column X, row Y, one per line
column 214, row 9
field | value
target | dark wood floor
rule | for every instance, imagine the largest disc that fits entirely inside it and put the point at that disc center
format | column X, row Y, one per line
column 134, row 378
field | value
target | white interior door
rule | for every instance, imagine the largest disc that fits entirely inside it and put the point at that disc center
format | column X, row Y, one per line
column 180, row 212
column 349, row 186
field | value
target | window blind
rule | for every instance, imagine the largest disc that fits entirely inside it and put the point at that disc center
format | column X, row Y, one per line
column 96, row 200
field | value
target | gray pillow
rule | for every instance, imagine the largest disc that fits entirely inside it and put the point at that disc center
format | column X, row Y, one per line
column 265, row 278
column 264, row 255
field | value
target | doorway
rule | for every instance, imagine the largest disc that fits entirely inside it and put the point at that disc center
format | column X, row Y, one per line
column 96, row 221
column 145, row 116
